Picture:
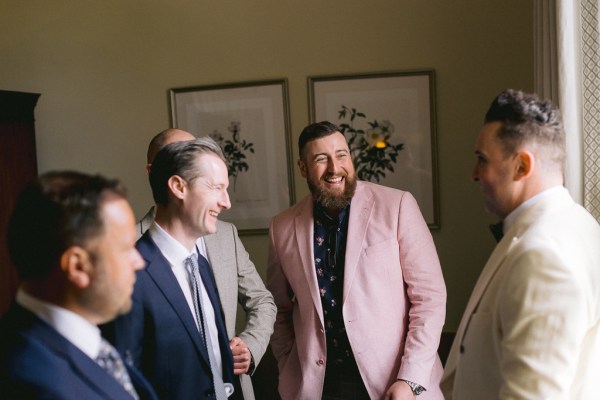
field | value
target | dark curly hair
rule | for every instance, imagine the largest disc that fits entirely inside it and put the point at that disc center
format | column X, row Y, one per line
column 55, row 211
column 315, row 131
column 527, row 119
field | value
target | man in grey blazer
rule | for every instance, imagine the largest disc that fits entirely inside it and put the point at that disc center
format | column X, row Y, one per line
column 531, row 329
column 236, row 278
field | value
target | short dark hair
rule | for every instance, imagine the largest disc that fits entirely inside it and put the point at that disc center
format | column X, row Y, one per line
column 55, row 211
column 525, row 118
column 315, row 131
column 179, row 159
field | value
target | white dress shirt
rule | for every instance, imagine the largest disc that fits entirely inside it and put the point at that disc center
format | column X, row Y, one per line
column 76, row 329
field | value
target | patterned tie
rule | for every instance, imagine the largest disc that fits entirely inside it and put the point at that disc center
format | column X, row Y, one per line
column 191, row 265
column 109, row 359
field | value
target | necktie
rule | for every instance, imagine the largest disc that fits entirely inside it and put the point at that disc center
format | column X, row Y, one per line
column 191, row 265
column 497, row 230
column 109, row 359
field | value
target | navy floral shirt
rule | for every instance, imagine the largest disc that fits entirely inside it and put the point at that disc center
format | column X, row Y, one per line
column 330, row 254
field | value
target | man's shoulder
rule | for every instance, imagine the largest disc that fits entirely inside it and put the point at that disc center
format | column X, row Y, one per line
column 225, row 226
column 379, row 193
column 291, row 212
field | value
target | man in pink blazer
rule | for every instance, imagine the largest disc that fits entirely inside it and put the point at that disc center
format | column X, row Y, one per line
column 357, row 283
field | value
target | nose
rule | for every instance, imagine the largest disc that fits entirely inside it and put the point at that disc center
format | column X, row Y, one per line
column 224, row 202
column 333, row 166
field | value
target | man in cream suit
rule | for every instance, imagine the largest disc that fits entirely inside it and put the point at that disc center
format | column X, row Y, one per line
column 236, row 278
column 531, row 329
column 357, row 282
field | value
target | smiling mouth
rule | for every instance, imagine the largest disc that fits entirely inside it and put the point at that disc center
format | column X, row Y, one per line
column 213, row 214
column 334, row 179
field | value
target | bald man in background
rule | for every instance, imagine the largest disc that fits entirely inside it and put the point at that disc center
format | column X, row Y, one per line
column 237, row 272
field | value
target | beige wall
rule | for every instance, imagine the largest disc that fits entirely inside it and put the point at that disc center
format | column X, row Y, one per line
column 104, row 67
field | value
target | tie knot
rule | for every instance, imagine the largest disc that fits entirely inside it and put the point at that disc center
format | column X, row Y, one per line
column 107, row 352
column 109, row 359
column 191, row 262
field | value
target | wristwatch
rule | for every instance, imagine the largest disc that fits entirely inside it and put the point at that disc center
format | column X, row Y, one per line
column 415, row 387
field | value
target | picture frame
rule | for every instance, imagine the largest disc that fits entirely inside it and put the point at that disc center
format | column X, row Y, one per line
column 389, row 122
column 250, row 120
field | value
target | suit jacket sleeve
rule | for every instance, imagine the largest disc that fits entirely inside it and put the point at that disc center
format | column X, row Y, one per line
column 425, row 290
column 543, row 315
column 256, row 301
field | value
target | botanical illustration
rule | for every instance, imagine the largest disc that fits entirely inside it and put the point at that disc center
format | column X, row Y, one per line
column 371, row 149
column 234, row 150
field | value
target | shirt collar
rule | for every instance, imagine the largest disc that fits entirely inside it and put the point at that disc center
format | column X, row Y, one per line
column 174, row 252
column 76, row 329
column 321, row 213
column 517, row 212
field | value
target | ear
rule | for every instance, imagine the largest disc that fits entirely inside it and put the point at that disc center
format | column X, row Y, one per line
column 77, row 266
column 525, row 163
column 177, row 186
column 148, row 166
column 302, row 166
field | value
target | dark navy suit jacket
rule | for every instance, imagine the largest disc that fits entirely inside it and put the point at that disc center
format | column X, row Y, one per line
column 36, row 362
column 160, row 336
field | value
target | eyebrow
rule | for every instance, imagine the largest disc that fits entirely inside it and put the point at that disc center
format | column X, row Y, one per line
column 345, row 151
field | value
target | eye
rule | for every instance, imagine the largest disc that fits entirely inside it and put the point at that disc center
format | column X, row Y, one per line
column 320, row 160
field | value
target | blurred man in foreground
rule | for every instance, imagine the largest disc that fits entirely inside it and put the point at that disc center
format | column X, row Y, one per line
column 71, row 238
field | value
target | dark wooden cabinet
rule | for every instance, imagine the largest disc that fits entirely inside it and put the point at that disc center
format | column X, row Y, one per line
column 18, row 165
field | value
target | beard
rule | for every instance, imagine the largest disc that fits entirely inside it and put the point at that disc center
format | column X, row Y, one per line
column 334, row 200
column 106, row 300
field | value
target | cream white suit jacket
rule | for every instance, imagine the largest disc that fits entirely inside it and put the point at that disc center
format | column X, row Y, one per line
column 237, row 282
column 531, row 329
column 394, row 297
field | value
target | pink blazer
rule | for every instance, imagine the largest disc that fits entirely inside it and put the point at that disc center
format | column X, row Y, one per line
column 393, row 300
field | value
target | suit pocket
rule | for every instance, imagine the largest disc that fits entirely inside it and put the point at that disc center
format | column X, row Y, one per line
column 382, row 260
column 389, row 246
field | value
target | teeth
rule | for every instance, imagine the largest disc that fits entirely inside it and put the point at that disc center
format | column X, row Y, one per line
column 213, row 213
column 334, row 179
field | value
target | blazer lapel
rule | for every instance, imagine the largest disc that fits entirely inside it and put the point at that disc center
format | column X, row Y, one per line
column 303, row 225
column 488, row 272
column 214, row 249
column 159, row 269
column 360, row 213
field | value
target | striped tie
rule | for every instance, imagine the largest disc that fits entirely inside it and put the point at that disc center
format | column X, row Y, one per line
column 109, row 359
column 191, row 265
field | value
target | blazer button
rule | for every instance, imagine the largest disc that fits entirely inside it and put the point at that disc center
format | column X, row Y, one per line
column 462, row 349
column 321, row 361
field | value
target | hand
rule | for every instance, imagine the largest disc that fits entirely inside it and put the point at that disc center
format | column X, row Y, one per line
column 400, row 391
column 241, row 356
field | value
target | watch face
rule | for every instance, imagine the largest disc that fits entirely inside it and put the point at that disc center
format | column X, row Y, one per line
column 416, row 388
